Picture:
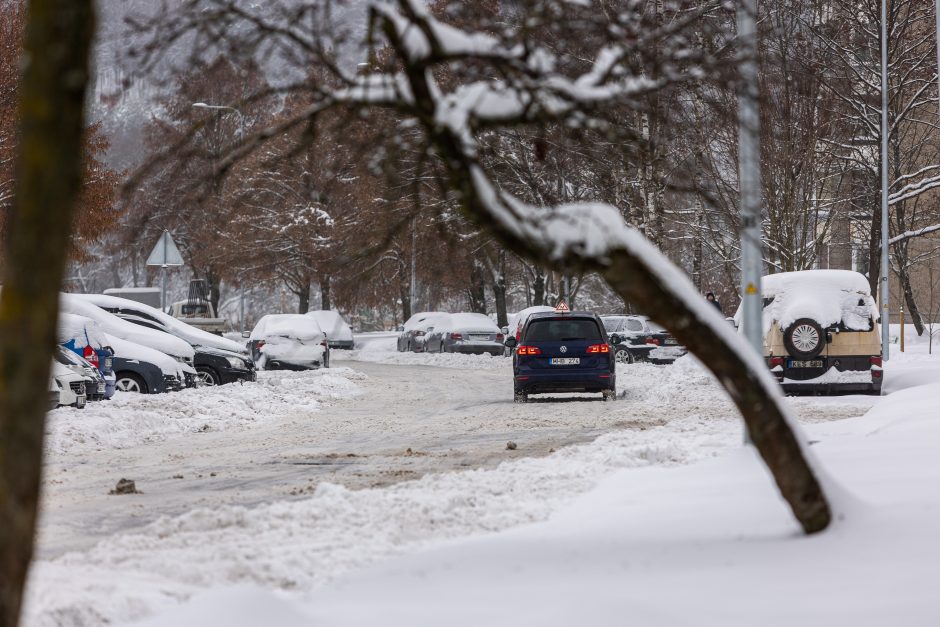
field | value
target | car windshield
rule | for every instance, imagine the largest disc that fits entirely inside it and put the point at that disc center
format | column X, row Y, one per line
column 562, row 330
column 612, row 325
column 634, row 325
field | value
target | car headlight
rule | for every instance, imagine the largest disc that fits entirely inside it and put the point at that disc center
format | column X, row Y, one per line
column 235, row 362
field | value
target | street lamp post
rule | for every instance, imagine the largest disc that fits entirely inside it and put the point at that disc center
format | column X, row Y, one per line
column 241, row 135
column 885, row 267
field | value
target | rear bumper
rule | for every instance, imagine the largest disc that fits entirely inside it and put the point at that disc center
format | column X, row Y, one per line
column 570, row 381
column 280, row 364
column 476, row 349
column 832, row 388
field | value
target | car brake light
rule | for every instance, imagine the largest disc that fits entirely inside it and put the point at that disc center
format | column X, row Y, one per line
column 776, row 361
column 598, row 348
column 90, row 354
column 875, row 360
column 528, row 350
column 652, row 340
column 499, row 337
column 260, row 343
column 456, row 336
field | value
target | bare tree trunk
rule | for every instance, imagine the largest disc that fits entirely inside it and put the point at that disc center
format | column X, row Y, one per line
column 326, row 300
column 58, row 39
column 905, row 279
column 303, row 299
column 476, row 291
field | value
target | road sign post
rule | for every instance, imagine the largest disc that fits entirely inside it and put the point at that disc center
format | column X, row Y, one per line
column 165, row 254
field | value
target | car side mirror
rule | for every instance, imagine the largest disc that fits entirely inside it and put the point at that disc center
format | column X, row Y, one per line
column 246, row 334
column 616, row 339
column 511, row 342
column 504, row 330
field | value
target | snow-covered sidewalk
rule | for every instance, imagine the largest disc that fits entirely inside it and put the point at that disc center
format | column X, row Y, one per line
column 709, row 543
column 132, row 419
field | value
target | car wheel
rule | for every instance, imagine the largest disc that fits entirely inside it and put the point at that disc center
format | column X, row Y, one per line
column 520, row 397
column 207, row 376
column 624, row 356
column 804, row 338
column 130, row 382
column 610, row 395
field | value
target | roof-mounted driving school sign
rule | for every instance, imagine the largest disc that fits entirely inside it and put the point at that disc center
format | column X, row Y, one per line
column 165, row 253
column 562, row 307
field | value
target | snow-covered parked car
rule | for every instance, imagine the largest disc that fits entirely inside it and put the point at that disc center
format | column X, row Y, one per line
column 176, row 348
column 412, row 336
column 94, row 381
column 71, row 386
column 144, row 370
column 288, row 342
column 85, row 338
column 821, row 332
column 472, row 333
column 642, row 340
column 338, row 333
column 217, row 360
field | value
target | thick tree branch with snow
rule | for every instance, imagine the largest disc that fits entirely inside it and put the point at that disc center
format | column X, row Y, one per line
column 585, row 237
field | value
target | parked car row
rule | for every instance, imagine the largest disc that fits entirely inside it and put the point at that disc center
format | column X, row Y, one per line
column 442, row 332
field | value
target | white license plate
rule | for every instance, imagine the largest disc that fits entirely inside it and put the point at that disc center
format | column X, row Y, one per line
column 479, row 337
column 565, row 361
column 101, row 387
column 809, row 363
column 80, row 401
column 671, row 342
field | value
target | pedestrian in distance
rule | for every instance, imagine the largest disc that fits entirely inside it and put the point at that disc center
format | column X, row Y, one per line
column 710, row 297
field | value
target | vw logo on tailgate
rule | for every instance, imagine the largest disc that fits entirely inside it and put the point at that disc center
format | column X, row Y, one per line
column 563, row 349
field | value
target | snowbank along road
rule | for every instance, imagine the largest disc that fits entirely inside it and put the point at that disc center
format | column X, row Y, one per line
column 336, row 450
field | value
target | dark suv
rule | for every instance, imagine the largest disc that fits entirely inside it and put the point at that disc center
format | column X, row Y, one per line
column 563, row 352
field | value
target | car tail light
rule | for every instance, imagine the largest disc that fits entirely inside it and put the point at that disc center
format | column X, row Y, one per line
column 652, row 340
column 90, row 354
column 528, row 350
column 776, row 361
column 324, row 344
column 875, row 360
column 598, row 348
column 456, row 336
column 499, row 337
column 260, row 344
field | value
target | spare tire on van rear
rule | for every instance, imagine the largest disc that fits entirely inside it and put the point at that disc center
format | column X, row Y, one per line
column 804, row 338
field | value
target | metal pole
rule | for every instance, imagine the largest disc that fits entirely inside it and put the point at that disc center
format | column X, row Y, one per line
column 163, row 289
column 937, row 15
column 885, row 268
column 750, row 177
column 241, row 310
column 414, row 246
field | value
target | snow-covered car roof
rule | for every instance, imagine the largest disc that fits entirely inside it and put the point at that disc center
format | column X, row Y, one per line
column 112, row 325
column 131, row 350
column 83, row 331
column 332, row 324
column 518, row 319
column 827, row 296
column 468, row 322
column 424, row 319
column 294, row 326
column 187, row 332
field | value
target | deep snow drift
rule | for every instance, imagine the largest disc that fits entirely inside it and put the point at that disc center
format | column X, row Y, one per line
column 709, row 543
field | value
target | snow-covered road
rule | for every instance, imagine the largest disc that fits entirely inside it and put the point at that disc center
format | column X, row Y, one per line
column 224, row 489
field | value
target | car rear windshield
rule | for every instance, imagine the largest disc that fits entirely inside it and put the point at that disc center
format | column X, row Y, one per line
column 562, row 330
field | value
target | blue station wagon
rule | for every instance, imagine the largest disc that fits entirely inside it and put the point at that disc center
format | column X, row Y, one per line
column 563, row 351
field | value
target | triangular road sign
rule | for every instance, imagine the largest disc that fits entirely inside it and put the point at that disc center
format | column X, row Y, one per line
column 562, row 307
column 165, row 253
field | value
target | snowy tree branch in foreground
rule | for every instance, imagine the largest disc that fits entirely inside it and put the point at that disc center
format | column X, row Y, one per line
column 586, row 237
